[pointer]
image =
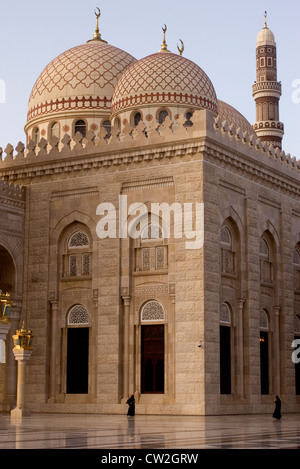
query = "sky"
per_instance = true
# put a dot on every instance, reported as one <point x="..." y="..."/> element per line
<point x="219" y="36"/>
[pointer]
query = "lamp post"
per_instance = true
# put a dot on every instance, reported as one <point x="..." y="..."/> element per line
<point x="22" y="351"/>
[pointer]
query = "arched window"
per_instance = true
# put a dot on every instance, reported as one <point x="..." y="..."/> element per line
<point x="54" y="130"/>
<point x="7" y="272"/>
<point x="151" y="231"/>
<point x="78" y="315"/>
<point x="107" y="127"/>
<point x="78" y="239"/>
<point x="152" y="311"/>
<point x="117" y="123"/>
<point x="225" y="349"/>
<point x="264" y="352"/>
<point x="80" y="126"/>
<point x="266" y="264"/>
<point x="188" y="122"/>
<point x="153" y="252"/>
<point x="77" y="260"/>
<point x="228" y="254"/>
<point x="137" y="118"/>
<point x="162" y="115"/>
<point x="35" y="135"/>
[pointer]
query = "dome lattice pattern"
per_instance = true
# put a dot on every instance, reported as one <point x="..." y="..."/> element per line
<point x="164" y="78"/>
<point x="89" y="70"/>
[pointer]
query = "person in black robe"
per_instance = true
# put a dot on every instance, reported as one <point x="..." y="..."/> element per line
<point x="277" y="412"/>
<point x="131" y="408"/>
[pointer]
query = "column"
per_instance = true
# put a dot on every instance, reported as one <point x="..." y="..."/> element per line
<point x="240" y="348"/>
<point x="52" y="389"/>
<point x="126" y="354"/>
<point x="276" y="348"/>
<point x="22" y="352"/>
<point x="22" y="356"/>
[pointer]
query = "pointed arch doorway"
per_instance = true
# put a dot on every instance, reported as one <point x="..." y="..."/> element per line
<point x="78" y="351"/>
<point x="152" y="349"/>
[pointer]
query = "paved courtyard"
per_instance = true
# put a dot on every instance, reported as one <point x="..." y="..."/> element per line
<point x="146" y="432"/>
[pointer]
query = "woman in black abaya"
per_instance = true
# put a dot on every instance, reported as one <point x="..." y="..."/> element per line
<point x="277" y="412"/>
<point x="131" y="408"/>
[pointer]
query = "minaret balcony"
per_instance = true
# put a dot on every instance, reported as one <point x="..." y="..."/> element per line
<point x="269" y="125"/>
<point x="266" y="88"/>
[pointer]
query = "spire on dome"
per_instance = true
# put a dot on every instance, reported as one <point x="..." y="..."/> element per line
<point x="97" y="35"/>
<point x="266" y="14"/>
<point x="164" y="45"/>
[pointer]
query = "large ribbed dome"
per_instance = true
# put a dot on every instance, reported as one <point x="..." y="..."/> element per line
<point x="80" y="80"/>
<point x="164" y="79"/>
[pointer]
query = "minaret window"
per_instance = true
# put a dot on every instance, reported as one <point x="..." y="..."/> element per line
<point x="80" y="126"/>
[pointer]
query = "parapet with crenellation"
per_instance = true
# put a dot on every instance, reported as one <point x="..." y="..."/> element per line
<point x="149" y="141"/>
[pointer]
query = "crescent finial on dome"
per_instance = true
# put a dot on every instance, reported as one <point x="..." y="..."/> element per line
<point x="97" y="35"/>
<point x="164" y="45"/>
<point x="180" y="49"/>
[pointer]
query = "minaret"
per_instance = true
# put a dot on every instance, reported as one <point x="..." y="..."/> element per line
<point x="267" y="90"/>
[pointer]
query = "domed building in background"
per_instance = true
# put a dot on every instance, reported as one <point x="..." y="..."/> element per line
<point x="151" y="241"/>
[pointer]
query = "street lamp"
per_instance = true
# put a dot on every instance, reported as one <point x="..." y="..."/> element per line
<point x="23" y="339"/>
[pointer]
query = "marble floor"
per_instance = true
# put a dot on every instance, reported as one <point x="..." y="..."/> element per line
<point x="119" y="432"/>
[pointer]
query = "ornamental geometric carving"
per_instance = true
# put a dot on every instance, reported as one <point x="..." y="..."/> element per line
<point x="90" y="70"/>
<point x="152" y="311"/>
<point x="263" y="321"/>
<point x="78" y="315"/>
<point x="145" y="294"/>
<point x="78" y="239"/>
<point x="164" y="78"/>
<point x="225" y="314"/>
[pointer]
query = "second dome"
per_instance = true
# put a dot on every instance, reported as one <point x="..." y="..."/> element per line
<point x="163" y="80"/>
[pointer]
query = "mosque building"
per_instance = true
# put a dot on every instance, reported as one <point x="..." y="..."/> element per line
<point x="150" y="241"/>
